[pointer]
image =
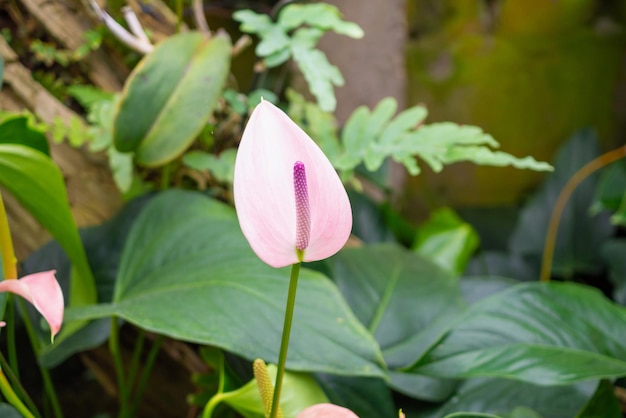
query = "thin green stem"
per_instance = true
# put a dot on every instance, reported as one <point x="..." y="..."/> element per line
<point x="147" y="368"/>
<point x="134" y="362"/>
<point x="17" y="386"/>
<point x="9" y="315"/>
<point x="284" y="343"/>
<point x="6" y="245"/>
<point x="212" y="404"/>
<point x="12" y="397"/>
<point x="51" y="393"/>
<point x="45" y="374"/>
<point x="114" y="349"/>
<point x="179" y="15"/>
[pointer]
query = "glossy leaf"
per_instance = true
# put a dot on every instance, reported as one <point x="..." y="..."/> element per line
<point x="365" y="396"/>
<point x="186" y="250"/>
<point x="19" y="129"/>
<point x="170" y="95"/>
<point x="382" y="282"/>
<point x="447" y="240"/>
<point x="548" y="334"/>
<point x="37" y="183"/>
<point x="502" y="397"/>
<point x="405" y="301"/>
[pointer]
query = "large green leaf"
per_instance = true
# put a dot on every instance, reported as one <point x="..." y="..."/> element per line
<point x="500" y="396"/>
<point x="188" y="272"/>
<point x="170" y="95"/>
<point x="405" y="301"/>
<point x="546" y="334"/>
<point x="37" y="183"/>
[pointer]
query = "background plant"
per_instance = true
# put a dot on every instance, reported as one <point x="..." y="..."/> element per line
<point x="407" y="326"/>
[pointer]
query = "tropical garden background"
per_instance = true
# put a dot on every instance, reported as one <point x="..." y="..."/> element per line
<point x="481" y="144"/>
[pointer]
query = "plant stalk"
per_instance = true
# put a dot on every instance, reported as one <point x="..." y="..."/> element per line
<point x="578" y="177"/>
<point x="284" y="343"/>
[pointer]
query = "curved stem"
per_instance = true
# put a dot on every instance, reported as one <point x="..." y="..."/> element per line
<point x="284" y="343"/>
<point x="145" y="374"/>
<point x="553" y="227"/>
<point x="17" y="386"/>
<point x="114" y="349"/>
<point x="6" y="245"/>
<point x="212" y="404"/>
<point x="12" y="398"/>
<point x="45" y="374"/>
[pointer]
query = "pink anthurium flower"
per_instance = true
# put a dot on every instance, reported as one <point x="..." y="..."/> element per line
<point x="326" y="410"/>
<point x="291" y="204"/>
<point x="43" y="291"/>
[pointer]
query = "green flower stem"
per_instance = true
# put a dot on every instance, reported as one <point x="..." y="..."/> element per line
<point x="116" y="354"/>
<point x="6" y="245"/>
<point x="212" y="404"/>
<point x="17" y="386"/>
<point x="134" y="362"/>
<point x="147" y="368"/>
<point x="284" y="343"/>
<point x="12" y="398"/>
<point x="9" y="317"/>
<point x="45" y="375"/>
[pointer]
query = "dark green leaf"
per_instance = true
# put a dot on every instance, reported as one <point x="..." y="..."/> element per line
<point x="103" y="245"/>
<point x="170" y="95"/>
<point x="614" y="254"/>
<point x="603" y="404"/>
<point x="366" y="397"/>
<point x="502" y="397"/>
<point x="580" y="236"/>
<point x="405" y="301"/>
<point x="187" y="272"/>
<point x="382" y="283"/>
<point x="611" y="193"/>
<point x="19" y="129"/>
<point x="548" y="334"/>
